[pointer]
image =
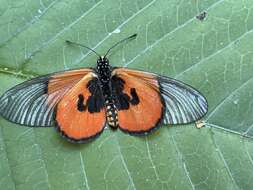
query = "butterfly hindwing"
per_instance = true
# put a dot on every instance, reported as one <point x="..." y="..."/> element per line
<point x="140" y="106"/>
<point x="80" y="114"/>
<point x="180" y="102"/>
<point x="184" y="104"/>
<point x="33" y="102"/>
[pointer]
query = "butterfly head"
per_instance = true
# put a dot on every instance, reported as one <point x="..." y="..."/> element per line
<point x="103" y="67"/>
<point x="102" y="62"/>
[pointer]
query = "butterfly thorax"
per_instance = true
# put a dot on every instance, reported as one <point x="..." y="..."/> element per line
<point x="104" y="71"/>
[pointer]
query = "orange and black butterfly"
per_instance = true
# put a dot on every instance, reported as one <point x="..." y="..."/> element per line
<point x="81" y="102"/>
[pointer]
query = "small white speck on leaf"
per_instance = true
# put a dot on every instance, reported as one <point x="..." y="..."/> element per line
<point x="116" y="31"/>
<point x="199" y="124"/>
<point x="235" y="102"/>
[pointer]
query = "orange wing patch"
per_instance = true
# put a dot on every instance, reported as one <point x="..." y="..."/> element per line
<point x="60" y="83"/>
<point x="74" y="119"/>
<point x="145" y="107"/>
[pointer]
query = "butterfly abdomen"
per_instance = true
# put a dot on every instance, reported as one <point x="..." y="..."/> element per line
<point x="111" y="110"/>
<point x="111" y="114"/>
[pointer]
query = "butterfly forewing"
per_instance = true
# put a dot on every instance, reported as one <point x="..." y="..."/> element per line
<point x="182" y="103"/>
<point x="140" y="106"/>
<point x="80" y="114"/>
<point x="33" y="102"/>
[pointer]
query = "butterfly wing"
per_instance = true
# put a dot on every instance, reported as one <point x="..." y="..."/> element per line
<point x="33" y="102"/>
<point x="80" y="115"/>
<point x="162" y="99"/>
<point x="139" y="104"/>
<point x="183" y="103"/>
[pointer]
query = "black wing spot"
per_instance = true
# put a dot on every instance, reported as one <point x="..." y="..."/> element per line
<point x="135" y="99"/>
<point x="80" y="104"/>
<point x="123" y="99"/>
<point x="95" y="102"/>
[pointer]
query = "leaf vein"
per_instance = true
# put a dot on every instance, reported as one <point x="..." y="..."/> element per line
<point x="151" y="160"/>
<point x="225" y="163"/>
<point x="42" y="159"/>
<point x="227" y="130"/>
<point x="84" y="173"/>
<point x="125" y="166"/>
<point x="249" y="129"/>
<point x="30" y="23"/>
<point x="248" y="154"/>
<point x="168" y="34"/>
<point x="218" y="106"/>
<point x="7" y="158"/>
<point x="63" y="30"/>
<point x="184" y="164"/>
<point x="214" y="54"/>
<point x="119" y="27"/>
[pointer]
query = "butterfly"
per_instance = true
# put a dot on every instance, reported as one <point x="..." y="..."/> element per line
<point x="80" y="102"/>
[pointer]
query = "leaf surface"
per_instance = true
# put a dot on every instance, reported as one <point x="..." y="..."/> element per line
<point x="214" y="55"/>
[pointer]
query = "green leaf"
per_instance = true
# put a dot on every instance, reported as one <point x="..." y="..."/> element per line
<point x="214" y="55"/>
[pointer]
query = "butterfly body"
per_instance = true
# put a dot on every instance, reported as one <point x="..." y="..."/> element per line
<point x="81" y="102"/>
<point x="104" y="71"/>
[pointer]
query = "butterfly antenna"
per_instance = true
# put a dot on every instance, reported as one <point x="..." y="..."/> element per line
<point x="125" y="39"/>
<point x="81" y="45"/>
